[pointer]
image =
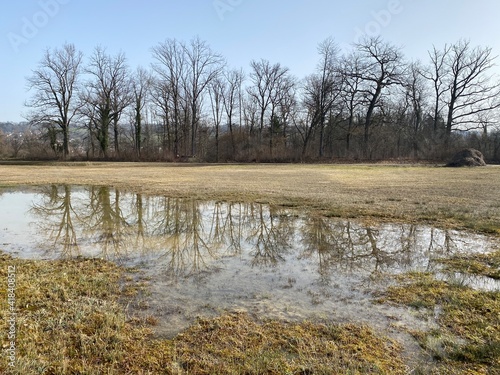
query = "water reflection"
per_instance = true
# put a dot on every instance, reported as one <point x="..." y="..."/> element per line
<point x="206" y="256"/>
<point x="186" y="236"/>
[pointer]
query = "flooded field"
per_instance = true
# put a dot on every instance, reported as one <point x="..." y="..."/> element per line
<point x="203" y="258"/>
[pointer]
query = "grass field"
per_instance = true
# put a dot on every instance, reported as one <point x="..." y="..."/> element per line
<point x="71" y="318"/>
<point x="460" y="198"/>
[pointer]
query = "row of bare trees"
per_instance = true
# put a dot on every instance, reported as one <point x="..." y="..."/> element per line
<point x="366" y="103"/>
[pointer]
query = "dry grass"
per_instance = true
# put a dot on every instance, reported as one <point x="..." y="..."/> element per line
<point x="236" y="344"/>
<point x="70" y="322"/>
<point x="478" y="264"/>
<point x="468" y="339"/>
<point x="459" y="198"/>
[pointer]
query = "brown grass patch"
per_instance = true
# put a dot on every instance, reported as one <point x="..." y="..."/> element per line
<point x="69" y="321"/>
<point x="458" y="198"/>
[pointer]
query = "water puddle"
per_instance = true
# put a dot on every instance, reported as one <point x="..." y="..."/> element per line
<point x="205" y="257"/>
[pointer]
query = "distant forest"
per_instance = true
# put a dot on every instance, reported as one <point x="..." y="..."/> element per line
<point x="367" y="103"/>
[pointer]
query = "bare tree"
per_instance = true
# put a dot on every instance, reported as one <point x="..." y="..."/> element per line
<point x="436" y="73"/>
<point x="141" y="84"/>
<point x="55" y="82"/>
<point x="415" y="90"/>
<point x="107" y="95"/>
<point x="321" y="91"/>
<point x="267" y="83"/>
<point x="250" y="113"/>
<point x="350" y="67"/>
<point x="171" y="66"/>
<point x="204" y="66"/>
<point x="471" y="90"/>
<point x="161" y="99"/>
<point x="232" y="100"/>
<point x="287" y="107"/>
<point x="464" y="86"/>
<point x="383" y="66"/>
<point x="282" y="99"/>
<point x="216" y="90"/>
<point x="122" y="98"/>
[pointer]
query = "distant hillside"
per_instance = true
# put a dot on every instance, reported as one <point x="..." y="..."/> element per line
<point x="13" y="127"/>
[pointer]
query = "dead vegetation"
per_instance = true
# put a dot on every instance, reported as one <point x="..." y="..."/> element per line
<point x="71" y="317"/>
<point x="70" y="322"/>
<point x="456" y="198"/>
<point x="468" y="338"/>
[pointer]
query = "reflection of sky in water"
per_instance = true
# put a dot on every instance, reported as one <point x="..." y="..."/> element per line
<point x="208" y="256"/>
<point x="17" y="234"/>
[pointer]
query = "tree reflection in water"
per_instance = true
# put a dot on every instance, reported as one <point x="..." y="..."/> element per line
<point x="57" y="218"/>
<point x="192" y="238"/>
<point x="204" y="257"/>
<point x="269" y="234"/>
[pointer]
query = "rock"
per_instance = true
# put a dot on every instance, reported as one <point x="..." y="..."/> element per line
<point x="468" y="157"/>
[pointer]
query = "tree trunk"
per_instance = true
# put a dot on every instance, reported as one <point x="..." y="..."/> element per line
<point x="368" y="119"/>
<point x="65" y="132"/>
<point x="194" y="128"/>
<point x="116" y="132"/>
<point x="138" y="131"/>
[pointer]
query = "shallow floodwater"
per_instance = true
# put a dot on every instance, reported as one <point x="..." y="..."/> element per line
<point x="206" y="257"/>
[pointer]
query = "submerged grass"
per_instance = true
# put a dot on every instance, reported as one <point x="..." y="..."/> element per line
<point x="70" y="321"/>
<point x="478" y="264"/>
<point x="468" y="338"/>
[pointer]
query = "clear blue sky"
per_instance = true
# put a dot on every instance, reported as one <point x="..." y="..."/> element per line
<point x="284" y="31"/>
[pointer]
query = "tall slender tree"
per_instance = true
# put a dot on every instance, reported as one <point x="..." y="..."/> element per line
<point x="436" y="73"/>
<point x="204" y="66"/>
<point x="171" y="66"/>
<point x="232" y="100"/>
<point x="216" y="90"/>
<point x="415" y="89"/>
<point x="321" y="91"/>
<point x="351" y="98"/>
<point x="141" y="85"/>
